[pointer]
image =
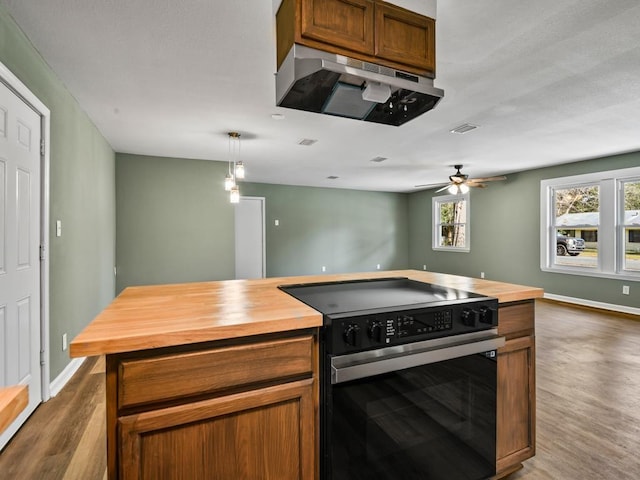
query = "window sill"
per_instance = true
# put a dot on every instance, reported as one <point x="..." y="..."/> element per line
<point x="451" y="249"/>
<point x="626" y="276"/>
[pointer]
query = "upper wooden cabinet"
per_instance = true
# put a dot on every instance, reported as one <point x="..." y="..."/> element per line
<point x="343" y="23"/>
<point x="369" y="30"/>
<point x="405" y="37"/>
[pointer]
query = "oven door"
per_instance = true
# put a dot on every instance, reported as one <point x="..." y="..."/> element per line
<point x="425" y="410"/>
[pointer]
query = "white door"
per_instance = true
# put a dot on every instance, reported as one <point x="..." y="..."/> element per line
<point x="19" y="250"/>
<point x="250" y="244"/>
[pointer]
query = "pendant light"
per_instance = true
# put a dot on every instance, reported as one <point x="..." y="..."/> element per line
<point x="234" y="196"/>
<point x="235" y="169"/>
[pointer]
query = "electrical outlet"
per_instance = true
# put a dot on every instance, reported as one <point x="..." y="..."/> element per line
<point x="276" y="223"/>
<point x="481" y="274"/>
<point x="64" y="342"/>
<point x="378" y="266"/>
<point x="324" y="269"/>
<point x="625" y="289"/>
<point x="424" y="267"/>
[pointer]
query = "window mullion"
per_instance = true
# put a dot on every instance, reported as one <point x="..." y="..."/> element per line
<point x="607" y="247"/>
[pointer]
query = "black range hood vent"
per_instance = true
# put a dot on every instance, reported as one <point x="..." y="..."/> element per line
<point x="322" y="82"/>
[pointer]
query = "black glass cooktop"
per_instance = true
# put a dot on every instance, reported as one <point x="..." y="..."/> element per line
<point x="386" y="294"/>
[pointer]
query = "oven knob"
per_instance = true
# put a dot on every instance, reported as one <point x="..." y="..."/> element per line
<point x="469" y="317"/>
<point x="486" y="315"/>
<point x="352" y="335"/>
<point x="376" y="331"/>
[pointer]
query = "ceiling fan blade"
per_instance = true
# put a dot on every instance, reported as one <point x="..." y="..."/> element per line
<point x="426" y="185"/>
<point x="476" y="185"/>
<point x="444" y="188"/>
<point x="488" y="179"/>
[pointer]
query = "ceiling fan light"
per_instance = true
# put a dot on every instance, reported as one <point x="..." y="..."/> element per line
<point x="464" y="188"/>
<point x="453" y="189"/>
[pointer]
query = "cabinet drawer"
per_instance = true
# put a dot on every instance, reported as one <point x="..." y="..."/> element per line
<point x="153" y="379"/>
<point x="517" y="317"/>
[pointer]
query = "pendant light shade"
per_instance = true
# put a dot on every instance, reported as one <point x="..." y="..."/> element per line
<point x="229" y="182"/>
<point x="234" y="196"/>
<point x="239" y="170"/>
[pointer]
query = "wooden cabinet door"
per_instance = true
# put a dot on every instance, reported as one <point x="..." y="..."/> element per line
<point x="342" y="23"/>
<point x="405" y="37"/>
<point x="516" y="403"/>
<point x="269" y="433"/>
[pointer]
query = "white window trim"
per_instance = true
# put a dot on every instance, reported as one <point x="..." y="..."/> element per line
<point x="610" y="229"/>
<point x="435" y="243"/>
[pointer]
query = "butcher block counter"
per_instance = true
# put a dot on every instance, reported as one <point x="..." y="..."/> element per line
<point x="220" y="379"/>
<point x="169" y="315"/>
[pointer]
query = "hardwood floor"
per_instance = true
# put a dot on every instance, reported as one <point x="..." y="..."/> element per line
<point x="588" y="399"/>
<point x="588" y="395"/>
<point x="65" y="438"/>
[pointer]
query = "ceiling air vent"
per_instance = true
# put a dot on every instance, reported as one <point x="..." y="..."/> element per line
<point x="464" y="128"/>
<point x="307" y="142"/>
<point x="379" y="159"/>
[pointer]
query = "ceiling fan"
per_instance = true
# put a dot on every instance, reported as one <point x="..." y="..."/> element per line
<point x="460" y="183"/>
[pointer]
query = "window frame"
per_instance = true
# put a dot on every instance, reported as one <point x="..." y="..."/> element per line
<point x="611" y="250"/>
<point x="436" y="201"/>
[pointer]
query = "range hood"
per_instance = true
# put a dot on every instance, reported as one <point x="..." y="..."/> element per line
<point x="322" y="82"/>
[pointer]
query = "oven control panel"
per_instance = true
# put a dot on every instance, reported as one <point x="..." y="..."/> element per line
<point x="367" y="332"/>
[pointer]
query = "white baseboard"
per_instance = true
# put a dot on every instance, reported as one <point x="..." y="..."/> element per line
<point x="591" y="303"/>
<point x="62" y="379"/>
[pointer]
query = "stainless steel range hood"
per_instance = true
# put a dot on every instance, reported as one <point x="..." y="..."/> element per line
<point x="322" y="82"/>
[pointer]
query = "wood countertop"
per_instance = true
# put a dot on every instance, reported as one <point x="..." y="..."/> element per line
<point x="157" y="316"/>
<point x="12" y="401"/>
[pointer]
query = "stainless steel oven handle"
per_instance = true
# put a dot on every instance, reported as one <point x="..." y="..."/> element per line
<point x="351" y="367"/>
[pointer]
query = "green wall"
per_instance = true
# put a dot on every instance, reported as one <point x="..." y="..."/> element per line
<point x="174" y="221"/>
<point x="82" y="189"/>
<point x="505" y="235"/>
<point x="343" y="230"/>
<point x="175" y="224"/>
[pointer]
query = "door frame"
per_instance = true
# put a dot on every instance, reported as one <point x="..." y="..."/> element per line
<point x="22" y="91"/>
<point x="264" y="232"/>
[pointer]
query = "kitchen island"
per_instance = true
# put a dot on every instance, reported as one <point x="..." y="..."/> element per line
<point x="234" y="365"/>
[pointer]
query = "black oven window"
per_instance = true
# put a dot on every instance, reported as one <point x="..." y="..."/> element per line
<point x="431" y="422"/>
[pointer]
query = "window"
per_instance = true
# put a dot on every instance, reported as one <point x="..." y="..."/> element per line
<point x="451" y="223"/>
<point x="578" y="208"/>
<point x="590" y="224"/>
<point x="631" y="225"/>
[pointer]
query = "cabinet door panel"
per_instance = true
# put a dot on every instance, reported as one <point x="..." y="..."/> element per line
<point x="267" y="433"/>
<point x="516" y="402"/>
<point x="343" y="23"/>
<point x="405" y="37"/>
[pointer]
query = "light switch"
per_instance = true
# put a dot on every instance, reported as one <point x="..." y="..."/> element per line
<point x="58" y="228"/>
<point x="277" y="222"/>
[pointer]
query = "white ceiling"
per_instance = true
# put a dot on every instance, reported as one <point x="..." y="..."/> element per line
<point x="549" y="82"/>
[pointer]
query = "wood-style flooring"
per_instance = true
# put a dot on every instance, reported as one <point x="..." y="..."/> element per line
<point x="66" y="437"/>
<point x="588" y="399"/>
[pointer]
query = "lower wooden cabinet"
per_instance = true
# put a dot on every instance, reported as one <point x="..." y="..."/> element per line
<point x="516" y="389"/>
<point x="266" y="433"/>
<point x="248" y="410"/>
